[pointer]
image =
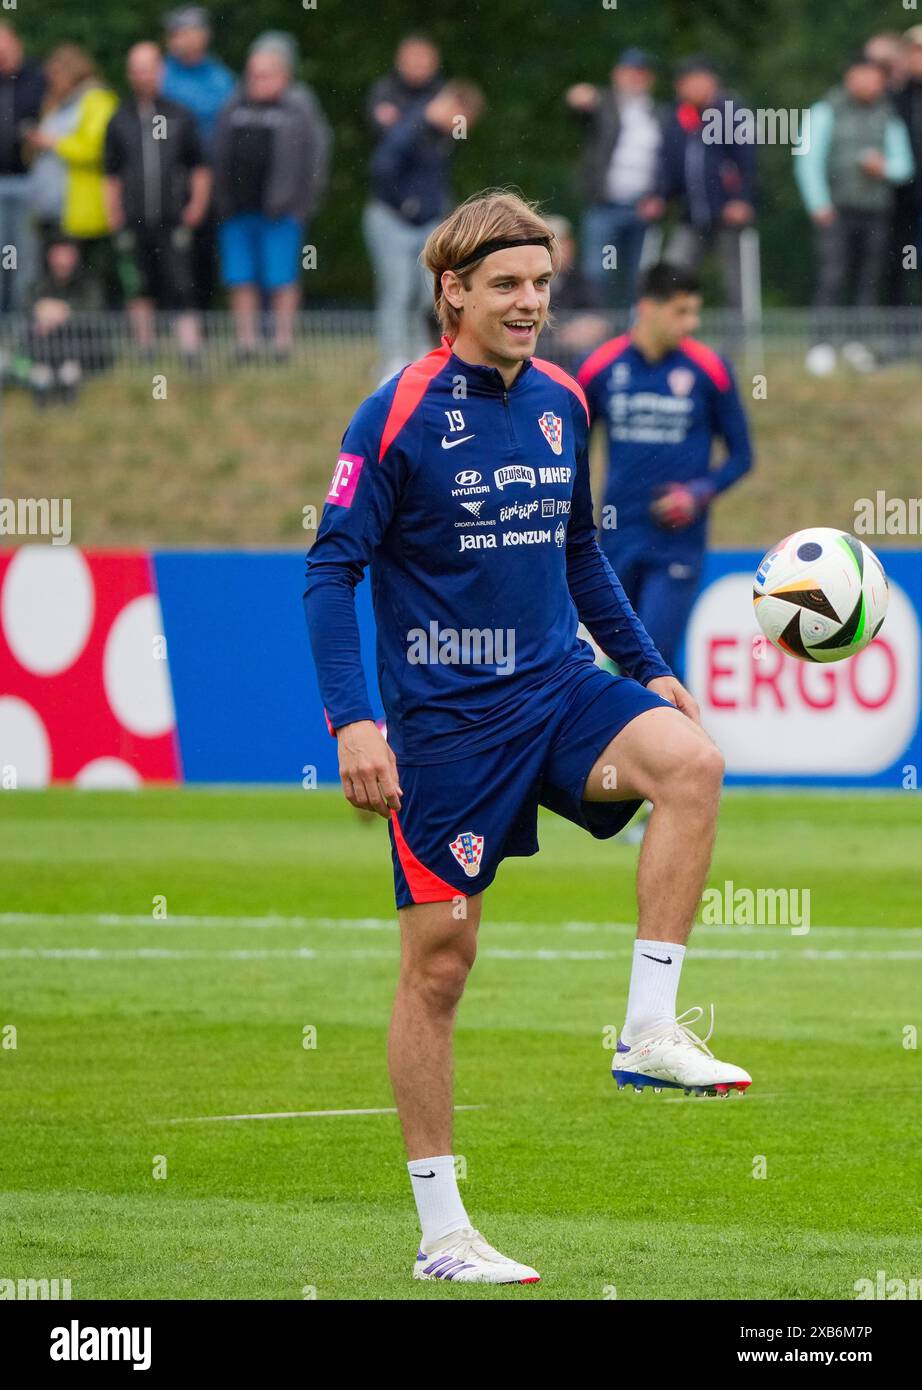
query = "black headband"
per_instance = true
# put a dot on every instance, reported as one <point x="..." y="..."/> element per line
<point x="486" y="248"/>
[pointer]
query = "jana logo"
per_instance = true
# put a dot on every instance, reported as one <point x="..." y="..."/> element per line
<point x="469" y="477"/>
<point x="468" y="850"/>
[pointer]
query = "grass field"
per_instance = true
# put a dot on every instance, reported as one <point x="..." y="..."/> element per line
<point x="233" y="459"/>
<point x="131" y="1031"/>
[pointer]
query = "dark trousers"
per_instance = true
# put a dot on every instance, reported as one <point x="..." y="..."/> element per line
<point x="899" y="284"/>
<point x="850" y="256"/>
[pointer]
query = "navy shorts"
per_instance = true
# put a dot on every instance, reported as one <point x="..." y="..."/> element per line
<point x="459" y="820"/>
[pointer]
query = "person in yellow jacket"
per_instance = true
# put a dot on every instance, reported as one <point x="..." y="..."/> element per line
<point x="83" y="214"/>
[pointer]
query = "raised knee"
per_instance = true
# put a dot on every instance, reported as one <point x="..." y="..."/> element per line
<point x="698" y="773"/>
<point x="706" y="767"/>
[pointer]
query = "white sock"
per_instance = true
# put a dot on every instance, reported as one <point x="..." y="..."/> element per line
<point x="654" y="986"/>
<point x="438" y="1200"/>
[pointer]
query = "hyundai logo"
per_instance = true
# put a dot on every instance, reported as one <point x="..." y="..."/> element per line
<point x="468" y="478"/>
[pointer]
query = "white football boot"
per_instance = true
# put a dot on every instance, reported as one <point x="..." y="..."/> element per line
<point x="464" y="1257"/>
<point x="675" y="1058"/>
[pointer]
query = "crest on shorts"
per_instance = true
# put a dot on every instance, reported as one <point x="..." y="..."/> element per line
<point x="468" y="850"/>
<point x="681" y="381"/>
<point x="552" y="429"/>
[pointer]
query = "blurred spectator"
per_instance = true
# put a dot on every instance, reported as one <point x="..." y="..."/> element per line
<point x="22" y="87"/>
<point x="901" y="280"/>
<point x="416" y="76"/>
<point x="201" y="82"/>
<point x="191" y="76"/>
<point x="57" y="349"/>
<point x="67" y="69"/>
<point x="394" y="239"/>
<point x="157" y="191"/>
<point x="278" y="42"/>
<point x="858" y="150"/>
<point x="409" y="197"/>
<point x="625" y="137"/>
<point x="573" y="327"/>
<point x="271" y="151"/>
<point x="713" y="181"/>
<point x="80" y="148"/>
<point x="887" y="50"/>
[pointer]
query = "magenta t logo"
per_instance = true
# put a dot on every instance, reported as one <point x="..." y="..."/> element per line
<point x="345" y="479"/>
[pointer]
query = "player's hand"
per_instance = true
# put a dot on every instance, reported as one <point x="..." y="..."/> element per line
<point x="674" y="691"/>
<point x="825" y="217"/>
<point x="368" y="768"/>
<point x="675" y="506"/>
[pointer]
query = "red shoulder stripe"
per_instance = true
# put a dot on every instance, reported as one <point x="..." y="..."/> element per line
<point x="603" y="356"/>
<point x="709" y="362"/>
<point x="411" y="388"/>
<point x="563" y="378"/>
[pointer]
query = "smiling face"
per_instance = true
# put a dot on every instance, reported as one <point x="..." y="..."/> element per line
<point x="504" y="304"/>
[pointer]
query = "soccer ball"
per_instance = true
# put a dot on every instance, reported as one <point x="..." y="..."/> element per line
<point x="820" y="595"/>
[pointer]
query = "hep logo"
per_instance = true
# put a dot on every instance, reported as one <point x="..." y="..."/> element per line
<point x="345" y="479"/>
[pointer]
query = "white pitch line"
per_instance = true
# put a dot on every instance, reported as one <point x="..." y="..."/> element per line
<point x="274" y="920"/>
<point x="292" y="1115"/>
<point x="152" y="953"/>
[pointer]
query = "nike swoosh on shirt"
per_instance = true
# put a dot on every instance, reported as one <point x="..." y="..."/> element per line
<point x="658" y="959"/>
<point x="450" y="443"/>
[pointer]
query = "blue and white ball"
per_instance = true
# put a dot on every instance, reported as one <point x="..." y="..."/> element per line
<point x="820" y="595"/>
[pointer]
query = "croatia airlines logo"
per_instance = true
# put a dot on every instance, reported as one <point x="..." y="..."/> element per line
<point x="552" y="429"/>
<point x="345" y="480"/>
<point x="468" y="850"/>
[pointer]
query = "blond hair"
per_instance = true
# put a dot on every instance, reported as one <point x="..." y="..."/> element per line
<point x="495" y="214"/>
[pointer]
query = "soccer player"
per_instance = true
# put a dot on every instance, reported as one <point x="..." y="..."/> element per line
<point x="463" y="482"/>
<point x="664" y="398"/>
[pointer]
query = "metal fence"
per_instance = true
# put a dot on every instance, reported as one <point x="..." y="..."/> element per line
<point x="343" y="340"/>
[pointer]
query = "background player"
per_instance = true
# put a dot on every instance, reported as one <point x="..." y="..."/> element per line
<point x="664" y="398"/>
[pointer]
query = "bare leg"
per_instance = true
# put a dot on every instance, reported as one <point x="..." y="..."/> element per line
<point x="141" y="318"/>
<point x="663" y="756"/>
<point x="284" y="308"/>
<point x="437" y="952"/>
<point x="245" y="304"/>
<point x="188" y="332"/>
